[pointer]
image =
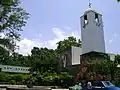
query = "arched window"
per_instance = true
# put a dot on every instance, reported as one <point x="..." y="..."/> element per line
<point x="96" y="18"/>
<point x="85" y="20"/>
<point x="64" y="59"/>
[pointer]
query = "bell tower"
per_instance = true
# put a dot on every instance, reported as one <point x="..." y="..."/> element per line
<point x="92" y="33"/>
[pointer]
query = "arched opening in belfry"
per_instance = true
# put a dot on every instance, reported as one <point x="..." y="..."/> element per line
<point x="96" y="18"/>
<point x="85" y="20"/>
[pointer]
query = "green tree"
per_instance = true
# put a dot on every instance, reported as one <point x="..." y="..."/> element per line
<point x="67" y="43"/>
<point x="4" y="53"/>
<point x="44" y="59"/>
<point x="103" y="67"/>
<point x="12" y="19"/>
<point x="118" y="0"/>
<point x="6" y="43"/>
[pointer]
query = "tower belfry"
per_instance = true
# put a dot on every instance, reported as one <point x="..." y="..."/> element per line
<point x="92" y="33"/>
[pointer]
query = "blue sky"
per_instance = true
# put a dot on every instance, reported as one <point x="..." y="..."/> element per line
<point x="54" y="20"/>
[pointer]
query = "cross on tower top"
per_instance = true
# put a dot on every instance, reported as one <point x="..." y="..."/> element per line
<point x="90" y="4"/>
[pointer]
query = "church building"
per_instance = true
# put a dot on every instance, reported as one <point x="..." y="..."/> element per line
<point x="93" y="43"/>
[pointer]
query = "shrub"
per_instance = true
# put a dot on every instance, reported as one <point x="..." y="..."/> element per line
<point x="18" y="78"/>
<point x="12" y="82"/>
<point x="55" y="79"/>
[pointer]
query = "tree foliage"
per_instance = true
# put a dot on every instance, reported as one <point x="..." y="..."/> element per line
<point x="44" y="59"/>
<point x="12" y="19"/>
<point x="12" y="78"/>
<point x="104" y="67"/>
<point x="118" y="0"/>
<point x="45" y="62"/>
<point x="67" y="43"/>
<point x="40" y="58"/>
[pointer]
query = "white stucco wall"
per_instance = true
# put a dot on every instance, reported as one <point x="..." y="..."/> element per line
<point x="76" y="52"/>
<point x="92" y="35"/>
<point x="14" y="69"/>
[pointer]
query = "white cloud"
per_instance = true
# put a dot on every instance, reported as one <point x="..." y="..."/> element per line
<point x="26" y="45"/>
<point x="67" y="28"/>
<point x="58" y="33"/>
<point x="75" y="34"/>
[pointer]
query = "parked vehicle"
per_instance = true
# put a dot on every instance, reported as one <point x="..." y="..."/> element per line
<point x="104" y="85"/>
<point x="98" y="85"/>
